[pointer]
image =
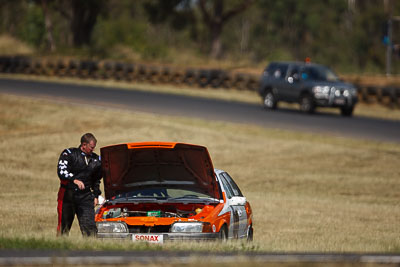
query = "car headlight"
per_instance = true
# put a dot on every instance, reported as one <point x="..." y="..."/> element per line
<point x="112" y="227"/>
<point x="187" y="227"/>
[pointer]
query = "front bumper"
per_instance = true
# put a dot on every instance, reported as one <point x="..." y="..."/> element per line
<point x="166" y="236"/>
<point x="336" y="101"/>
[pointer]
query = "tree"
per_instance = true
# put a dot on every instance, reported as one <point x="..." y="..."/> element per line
<point x="48" y="23"/>
<point x="214" y="15"/>
<point x="82" y="17"/>
<point x="216" y="18"/>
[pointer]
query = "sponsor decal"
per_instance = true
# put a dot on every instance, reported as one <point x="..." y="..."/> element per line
<point x="148" y="238"/>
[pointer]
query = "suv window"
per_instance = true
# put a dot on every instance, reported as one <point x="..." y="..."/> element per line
<point x="319" y="74"/>
<point x="294" y="73"/>
<point x="277" y="71"/>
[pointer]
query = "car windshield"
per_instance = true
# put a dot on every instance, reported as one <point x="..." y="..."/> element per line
<point x="320" y="73"/>
<point x="163" y="193"/>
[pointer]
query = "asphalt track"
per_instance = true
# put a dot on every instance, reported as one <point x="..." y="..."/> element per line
<point x="210" y="109"/>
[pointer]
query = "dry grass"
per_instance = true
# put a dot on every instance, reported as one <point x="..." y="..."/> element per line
<point x="12" y="46"/>
<point x="309" y="192"/>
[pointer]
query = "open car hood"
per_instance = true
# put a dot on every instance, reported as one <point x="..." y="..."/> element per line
<point x="134" y="166"/>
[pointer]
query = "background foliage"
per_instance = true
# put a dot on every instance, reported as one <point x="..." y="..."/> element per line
<point x="347" y="35"/>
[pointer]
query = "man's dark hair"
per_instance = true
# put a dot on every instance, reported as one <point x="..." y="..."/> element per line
<point x="87" y="137"/>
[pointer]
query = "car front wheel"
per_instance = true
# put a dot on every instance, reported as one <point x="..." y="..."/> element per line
<point x="223" y="234"/>
<point x="307" y="104"/>
<point x="270" y="101"/>
<point x="250" y="234"/>
<point x="347" y="111"/>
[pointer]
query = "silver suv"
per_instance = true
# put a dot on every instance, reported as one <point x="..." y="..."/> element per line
<point x="311" y="85"/>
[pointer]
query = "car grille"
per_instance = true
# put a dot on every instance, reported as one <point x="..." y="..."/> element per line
<point x="149" y="229"/>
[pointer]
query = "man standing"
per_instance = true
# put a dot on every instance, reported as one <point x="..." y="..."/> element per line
<point x="79" y="170"/>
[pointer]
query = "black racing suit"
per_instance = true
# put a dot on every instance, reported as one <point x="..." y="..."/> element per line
<point x="75" y="164"/>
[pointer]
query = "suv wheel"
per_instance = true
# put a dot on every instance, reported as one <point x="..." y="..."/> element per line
<point x="270" y="100"/>
<point x="347" y="111"/>
<point x="307" y="104"/>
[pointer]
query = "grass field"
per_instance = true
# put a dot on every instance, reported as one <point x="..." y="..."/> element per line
<point x="309" y="192"/>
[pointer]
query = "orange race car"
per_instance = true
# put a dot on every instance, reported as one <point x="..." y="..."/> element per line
<point x="158" y="191"/>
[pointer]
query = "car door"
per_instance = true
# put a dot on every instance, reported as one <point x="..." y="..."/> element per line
<point x="237" y="204"/>
<point x="278" y="81"/>
<point x="292" y="80"/>
<point x="233" y="230"/>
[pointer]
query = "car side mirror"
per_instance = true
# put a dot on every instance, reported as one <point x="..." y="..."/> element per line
<point x="237" y="201"/>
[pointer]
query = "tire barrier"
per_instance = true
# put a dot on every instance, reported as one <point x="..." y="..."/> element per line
<point x="165" y="75"/>
<point x="88" y="69"/>
<point x="388" y="94"/>
<point x="385" y="95"/>
<point x="190" y="78"/>
<point x="129" y="72"/>
<point x="61" y="68"/>
<point x="141" y="73"/>
<point x="24" y="65"/>
<point x="177" y="77"/>
<point x="240" y="81"/>
<point x="153" y="74"/>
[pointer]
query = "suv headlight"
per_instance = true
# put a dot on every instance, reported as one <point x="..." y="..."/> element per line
<point x="112" y="227"/>
<point x="321" y="91"/>
<point x="317" y="89"/>
<point x="353" y="91"/>
<point x="187" y="227"/>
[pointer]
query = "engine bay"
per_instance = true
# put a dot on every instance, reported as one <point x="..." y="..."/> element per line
<point x="155" y="210"/>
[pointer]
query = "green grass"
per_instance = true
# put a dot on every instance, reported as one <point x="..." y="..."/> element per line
<point x="309" y="191"/>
